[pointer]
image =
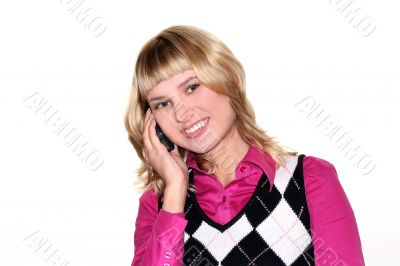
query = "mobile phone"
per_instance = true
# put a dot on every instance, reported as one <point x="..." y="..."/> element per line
<point x="160" y="134"/>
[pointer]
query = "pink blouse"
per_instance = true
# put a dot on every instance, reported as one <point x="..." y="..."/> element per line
<point x="158" y="237"/>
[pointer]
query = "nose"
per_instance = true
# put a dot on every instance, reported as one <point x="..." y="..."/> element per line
<point x="183" y="112"/>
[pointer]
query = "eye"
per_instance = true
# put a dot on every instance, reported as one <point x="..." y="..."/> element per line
<point x="161" y="104"/>
<point x="193" y="86"/>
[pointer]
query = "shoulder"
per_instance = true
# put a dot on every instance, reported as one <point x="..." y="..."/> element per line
<point x="314" y="167"/>
<point x="148" y="194"/>
<point x="321" y="181"/>
<point x="149" y="200"/>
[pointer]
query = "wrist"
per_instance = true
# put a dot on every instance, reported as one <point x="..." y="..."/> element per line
<point x="174" y="198"/>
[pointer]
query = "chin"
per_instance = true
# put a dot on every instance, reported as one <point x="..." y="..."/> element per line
<point x="206" y="147"/>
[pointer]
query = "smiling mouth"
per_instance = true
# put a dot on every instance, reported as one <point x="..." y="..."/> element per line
<point x="199" y="125"/>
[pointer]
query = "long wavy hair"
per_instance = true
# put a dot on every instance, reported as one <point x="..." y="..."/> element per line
<point x="173" y="51"/>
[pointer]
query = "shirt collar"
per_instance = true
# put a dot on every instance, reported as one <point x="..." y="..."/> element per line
<point x="254" y="155"/>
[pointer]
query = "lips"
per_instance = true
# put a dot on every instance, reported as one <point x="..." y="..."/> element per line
<point x="195" y="123"/>
<point x="197" y="133"/>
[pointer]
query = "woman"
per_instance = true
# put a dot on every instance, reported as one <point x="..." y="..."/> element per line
<point x="227" y="194"/>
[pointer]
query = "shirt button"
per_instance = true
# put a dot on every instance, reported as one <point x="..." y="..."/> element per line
<point x="168" y="255"/>
<point x="242" y="169"/>
<point x="223" y="198"/>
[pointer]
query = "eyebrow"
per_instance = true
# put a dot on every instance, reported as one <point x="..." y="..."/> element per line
<point x="179" y="85"/>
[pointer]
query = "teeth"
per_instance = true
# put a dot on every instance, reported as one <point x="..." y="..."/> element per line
<point x="196" y="127"/>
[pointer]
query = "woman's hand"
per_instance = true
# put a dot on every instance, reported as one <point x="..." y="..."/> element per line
<point x="169" y="165"/>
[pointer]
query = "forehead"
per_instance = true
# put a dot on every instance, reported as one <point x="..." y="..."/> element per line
<point x="166" y="85"/>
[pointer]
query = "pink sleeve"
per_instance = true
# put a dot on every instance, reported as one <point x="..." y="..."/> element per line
<point x="333" y="225"/>
<point x="158" y="237"/>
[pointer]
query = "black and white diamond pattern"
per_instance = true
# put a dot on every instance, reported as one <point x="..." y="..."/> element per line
<point x="283" y="230"/>
<point x="272" y="229"/>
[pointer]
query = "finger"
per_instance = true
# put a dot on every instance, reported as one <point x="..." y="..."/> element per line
<point x="146" y="124"/>
<point x="146" y="136"/>
<point x="152" y="131"/>
<point x="146" y="118"/>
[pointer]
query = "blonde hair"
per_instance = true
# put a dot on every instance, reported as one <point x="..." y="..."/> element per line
<point x="173" y="51"/>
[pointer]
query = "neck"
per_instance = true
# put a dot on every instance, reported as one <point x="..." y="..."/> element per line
<point x="226" y="155"/>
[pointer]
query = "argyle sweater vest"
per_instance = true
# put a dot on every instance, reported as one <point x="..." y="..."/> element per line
<point x="273" y="228"/>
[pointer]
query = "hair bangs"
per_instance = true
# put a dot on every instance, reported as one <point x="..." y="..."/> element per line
<point x="159" y="62"/>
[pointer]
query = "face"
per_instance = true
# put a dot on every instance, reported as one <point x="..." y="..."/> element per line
<point x="191" y="115"/>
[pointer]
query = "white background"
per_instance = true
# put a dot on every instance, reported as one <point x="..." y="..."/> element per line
<point x="290" y="50"/>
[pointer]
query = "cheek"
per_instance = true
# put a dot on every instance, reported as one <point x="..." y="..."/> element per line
<point x="164" y="121"/>
<point x="222" y="109"/>
<point x="212" y="100"/>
